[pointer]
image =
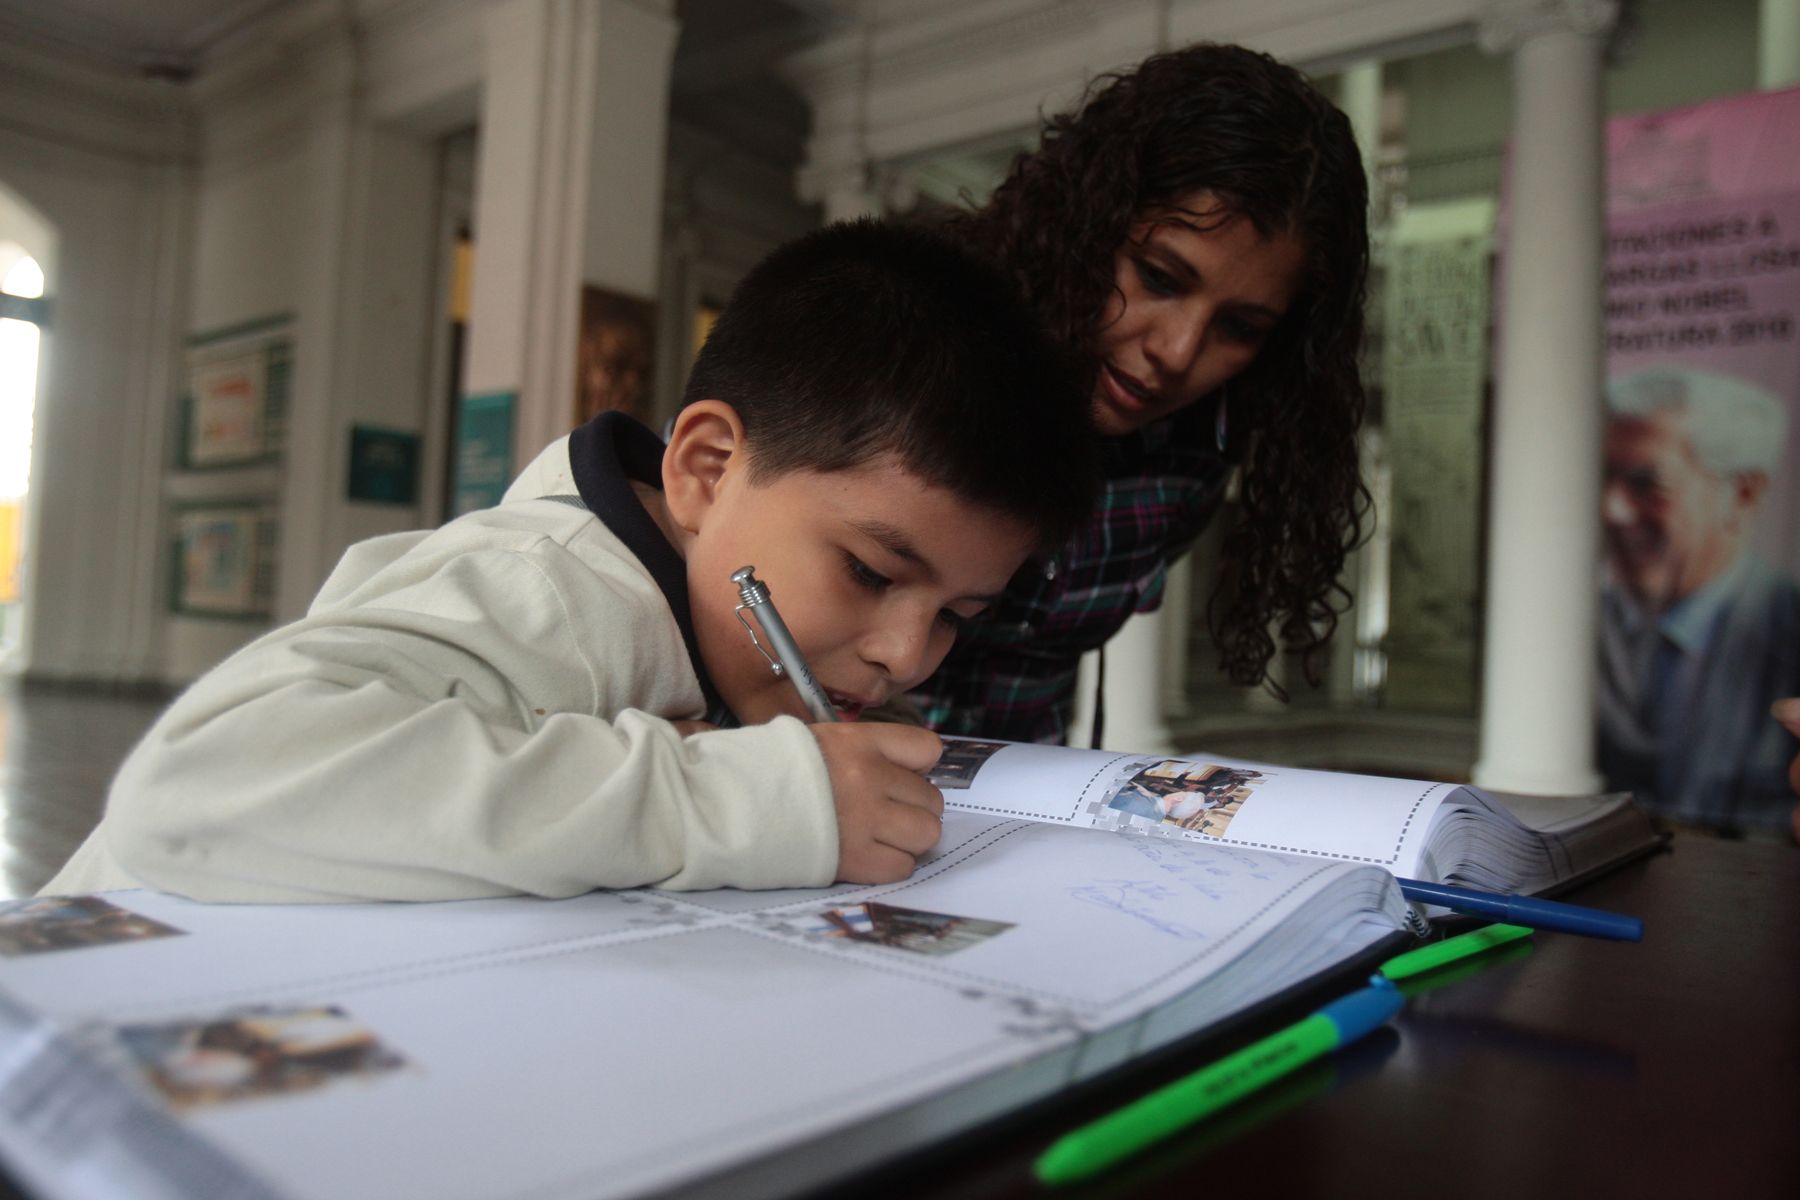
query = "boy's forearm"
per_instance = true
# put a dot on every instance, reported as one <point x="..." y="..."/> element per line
<point x="427" y="734"/>
<point x="318" y="794"/>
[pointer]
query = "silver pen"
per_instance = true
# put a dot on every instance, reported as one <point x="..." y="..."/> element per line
<point x="753" y="594"/>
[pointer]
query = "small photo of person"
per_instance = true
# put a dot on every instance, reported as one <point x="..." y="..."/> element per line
<point x="44" y="923"/>
<point x="1203" y="797"/>
<point x="961" y="759"/>
<point x="906" y="928"/>
<point x="254" y="1053"/>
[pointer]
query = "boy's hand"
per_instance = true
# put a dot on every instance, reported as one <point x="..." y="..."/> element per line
<point x="887" y="814"/>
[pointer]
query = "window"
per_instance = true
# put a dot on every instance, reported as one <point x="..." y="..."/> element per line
<point x="22" y="312"/>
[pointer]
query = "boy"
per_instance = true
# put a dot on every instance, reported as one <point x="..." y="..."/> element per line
<point x="525" y="700"/>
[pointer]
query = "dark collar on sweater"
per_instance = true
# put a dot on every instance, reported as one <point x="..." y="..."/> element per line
<point x="606" y="455"/>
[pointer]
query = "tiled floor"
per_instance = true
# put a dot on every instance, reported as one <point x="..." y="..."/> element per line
<point x="59" y="747"/>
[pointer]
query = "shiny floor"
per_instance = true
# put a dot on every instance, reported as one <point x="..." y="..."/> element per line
<point x="59" y="747"/>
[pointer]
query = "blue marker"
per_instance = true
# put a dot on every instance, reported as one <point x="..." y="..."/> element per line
<point x="1526" y="910"/>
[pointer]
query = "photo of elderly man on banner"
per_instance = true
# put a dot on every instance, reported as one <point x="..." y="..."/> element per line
<point x="1700" y="612"/>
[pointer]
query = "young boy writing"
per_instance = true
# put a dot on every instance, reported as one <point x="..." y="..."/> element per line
<point x="557" y="694"/>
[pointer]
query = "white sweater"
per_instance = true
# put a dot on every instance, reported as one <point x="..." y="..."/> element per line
<point x="478" y="710"/>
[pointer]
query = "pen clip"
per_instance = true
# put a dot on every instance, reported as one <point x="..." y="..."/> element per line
<point x="752" y="593"/>
<point x="756" y="641"/>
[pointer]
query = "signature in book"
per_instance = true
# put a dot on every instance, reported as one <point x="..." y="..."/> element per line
<point x="1140" y="899"/>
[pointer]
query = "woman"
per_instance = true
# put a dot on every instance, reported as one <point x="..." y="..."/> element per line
<point x="1196" y="235"/>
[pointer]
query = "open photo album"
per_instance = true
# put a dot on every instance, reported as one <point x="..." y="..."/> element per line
<point x="1081" y="909"/>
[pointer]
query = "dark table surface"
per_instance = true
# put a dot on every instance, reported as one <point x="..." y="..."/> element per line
<point x="1562" y="1066"/>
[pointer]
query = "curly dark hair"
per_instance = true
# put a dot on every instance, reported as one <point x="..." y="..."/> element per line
<point x="1260" y="140"/>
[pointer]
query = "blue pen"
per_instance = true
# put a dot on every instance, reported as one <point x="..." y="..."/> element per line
<point x="1526" y="910"/>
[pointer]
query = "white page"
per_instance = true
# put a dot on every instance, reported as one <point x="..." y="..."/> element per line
<point x="1356" y="818"/>
<point x="630" y="1042"/>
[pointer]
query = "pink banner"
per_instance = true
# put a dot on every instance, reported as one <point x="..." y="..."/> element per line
<point x="1701" y="510"/>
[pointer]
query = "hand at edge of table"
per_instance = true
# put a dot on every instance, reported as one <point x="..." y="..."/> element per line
<point x="1788" y="713"/>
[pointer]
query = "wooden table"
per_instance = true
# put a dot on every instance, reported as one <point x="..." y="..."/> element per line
<point x="1568" y="1067"/>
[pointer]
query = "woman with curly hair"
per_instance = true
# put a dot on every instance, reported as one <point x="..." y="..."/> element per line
<point x="1195" y="234"/>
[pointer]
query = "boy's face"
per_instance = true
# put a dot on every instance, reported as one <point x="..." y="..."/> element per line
<point x="870" y="568"/>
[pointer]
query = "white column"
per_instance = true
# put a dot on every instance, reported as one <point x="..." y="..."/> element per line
<point x="1543" y="548"/>
<point x="336" y="165"/>
<point x="1133" y="689"/>
<point x="840" y="175"/>
<point x="1778" y="44"/>
<point x="1361" y="95"/>
<point x="1178" y="602"/>
<point x="574" y="121"/>
<point x="846" y="193"/>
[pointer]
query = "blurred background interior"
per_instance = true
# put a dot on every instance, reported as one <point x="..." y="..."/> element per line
<point x="280" y="275"/>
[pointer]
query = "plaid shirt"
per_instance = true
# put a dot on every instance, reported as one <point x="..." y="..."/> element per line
<point x="1011" y="674"/>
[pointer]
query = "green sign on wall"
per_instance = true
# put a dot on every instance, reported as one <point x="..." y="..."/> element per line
<point x="484" y="440"/>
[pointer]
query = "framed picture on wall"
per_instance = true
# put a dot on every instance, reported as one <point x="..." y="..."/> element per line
<point x="617" y="355"/>
<point x="236" y="399"/>
<point x="224" y="565"/>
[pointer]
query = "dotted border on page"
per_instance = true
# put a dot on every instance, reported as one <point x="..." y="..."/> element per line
<point x="1193" y="836"/>
<point x="1399" y="839"/>
<point x="994" y="810"/>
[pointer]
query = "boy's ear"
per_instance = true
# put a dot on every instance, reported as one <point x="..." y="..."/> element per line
<point x="707" y="436"/>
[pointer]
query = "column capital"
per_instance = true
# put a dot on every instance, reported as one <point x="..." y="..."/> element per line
<point x="860" y="187"/>
<point x="1504" y="25"/>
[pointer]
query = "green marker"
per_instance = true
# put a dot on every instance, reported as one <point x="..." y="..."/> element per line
<point x="1096" y="1146"/>
<point x="1092" y="1148"/>
<point x="1430" y="958"/>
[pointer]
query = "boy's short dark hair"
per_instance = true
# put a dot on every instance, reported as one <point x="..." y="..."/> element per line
<point x="867" y="338"/>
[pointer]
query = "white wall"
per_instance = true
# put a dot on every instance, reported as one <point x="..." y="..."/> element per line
<point x="269" y="188"/>
<point x="102" y="161"/>
<point x="249" y="214"/>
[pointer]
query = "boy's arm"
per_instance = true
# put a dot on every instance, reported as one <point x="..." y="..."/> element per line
<point x="438" y="744"/>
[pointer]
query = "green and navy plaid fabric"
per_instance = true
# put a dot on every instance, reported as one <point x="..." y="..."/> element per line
<point x="1011" y="674"/>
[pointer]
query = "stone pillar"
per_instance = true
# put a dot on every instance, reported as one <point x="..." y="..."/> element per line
<point x="1543" y="542"/>
<point x="1778" y="44"/>
<point x="574" y="123"/>
<point x="1361" y="96"/>
<point x="840" y="175"/>
<point x="337" y="164"/>
<point x="1133" y="689"/>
